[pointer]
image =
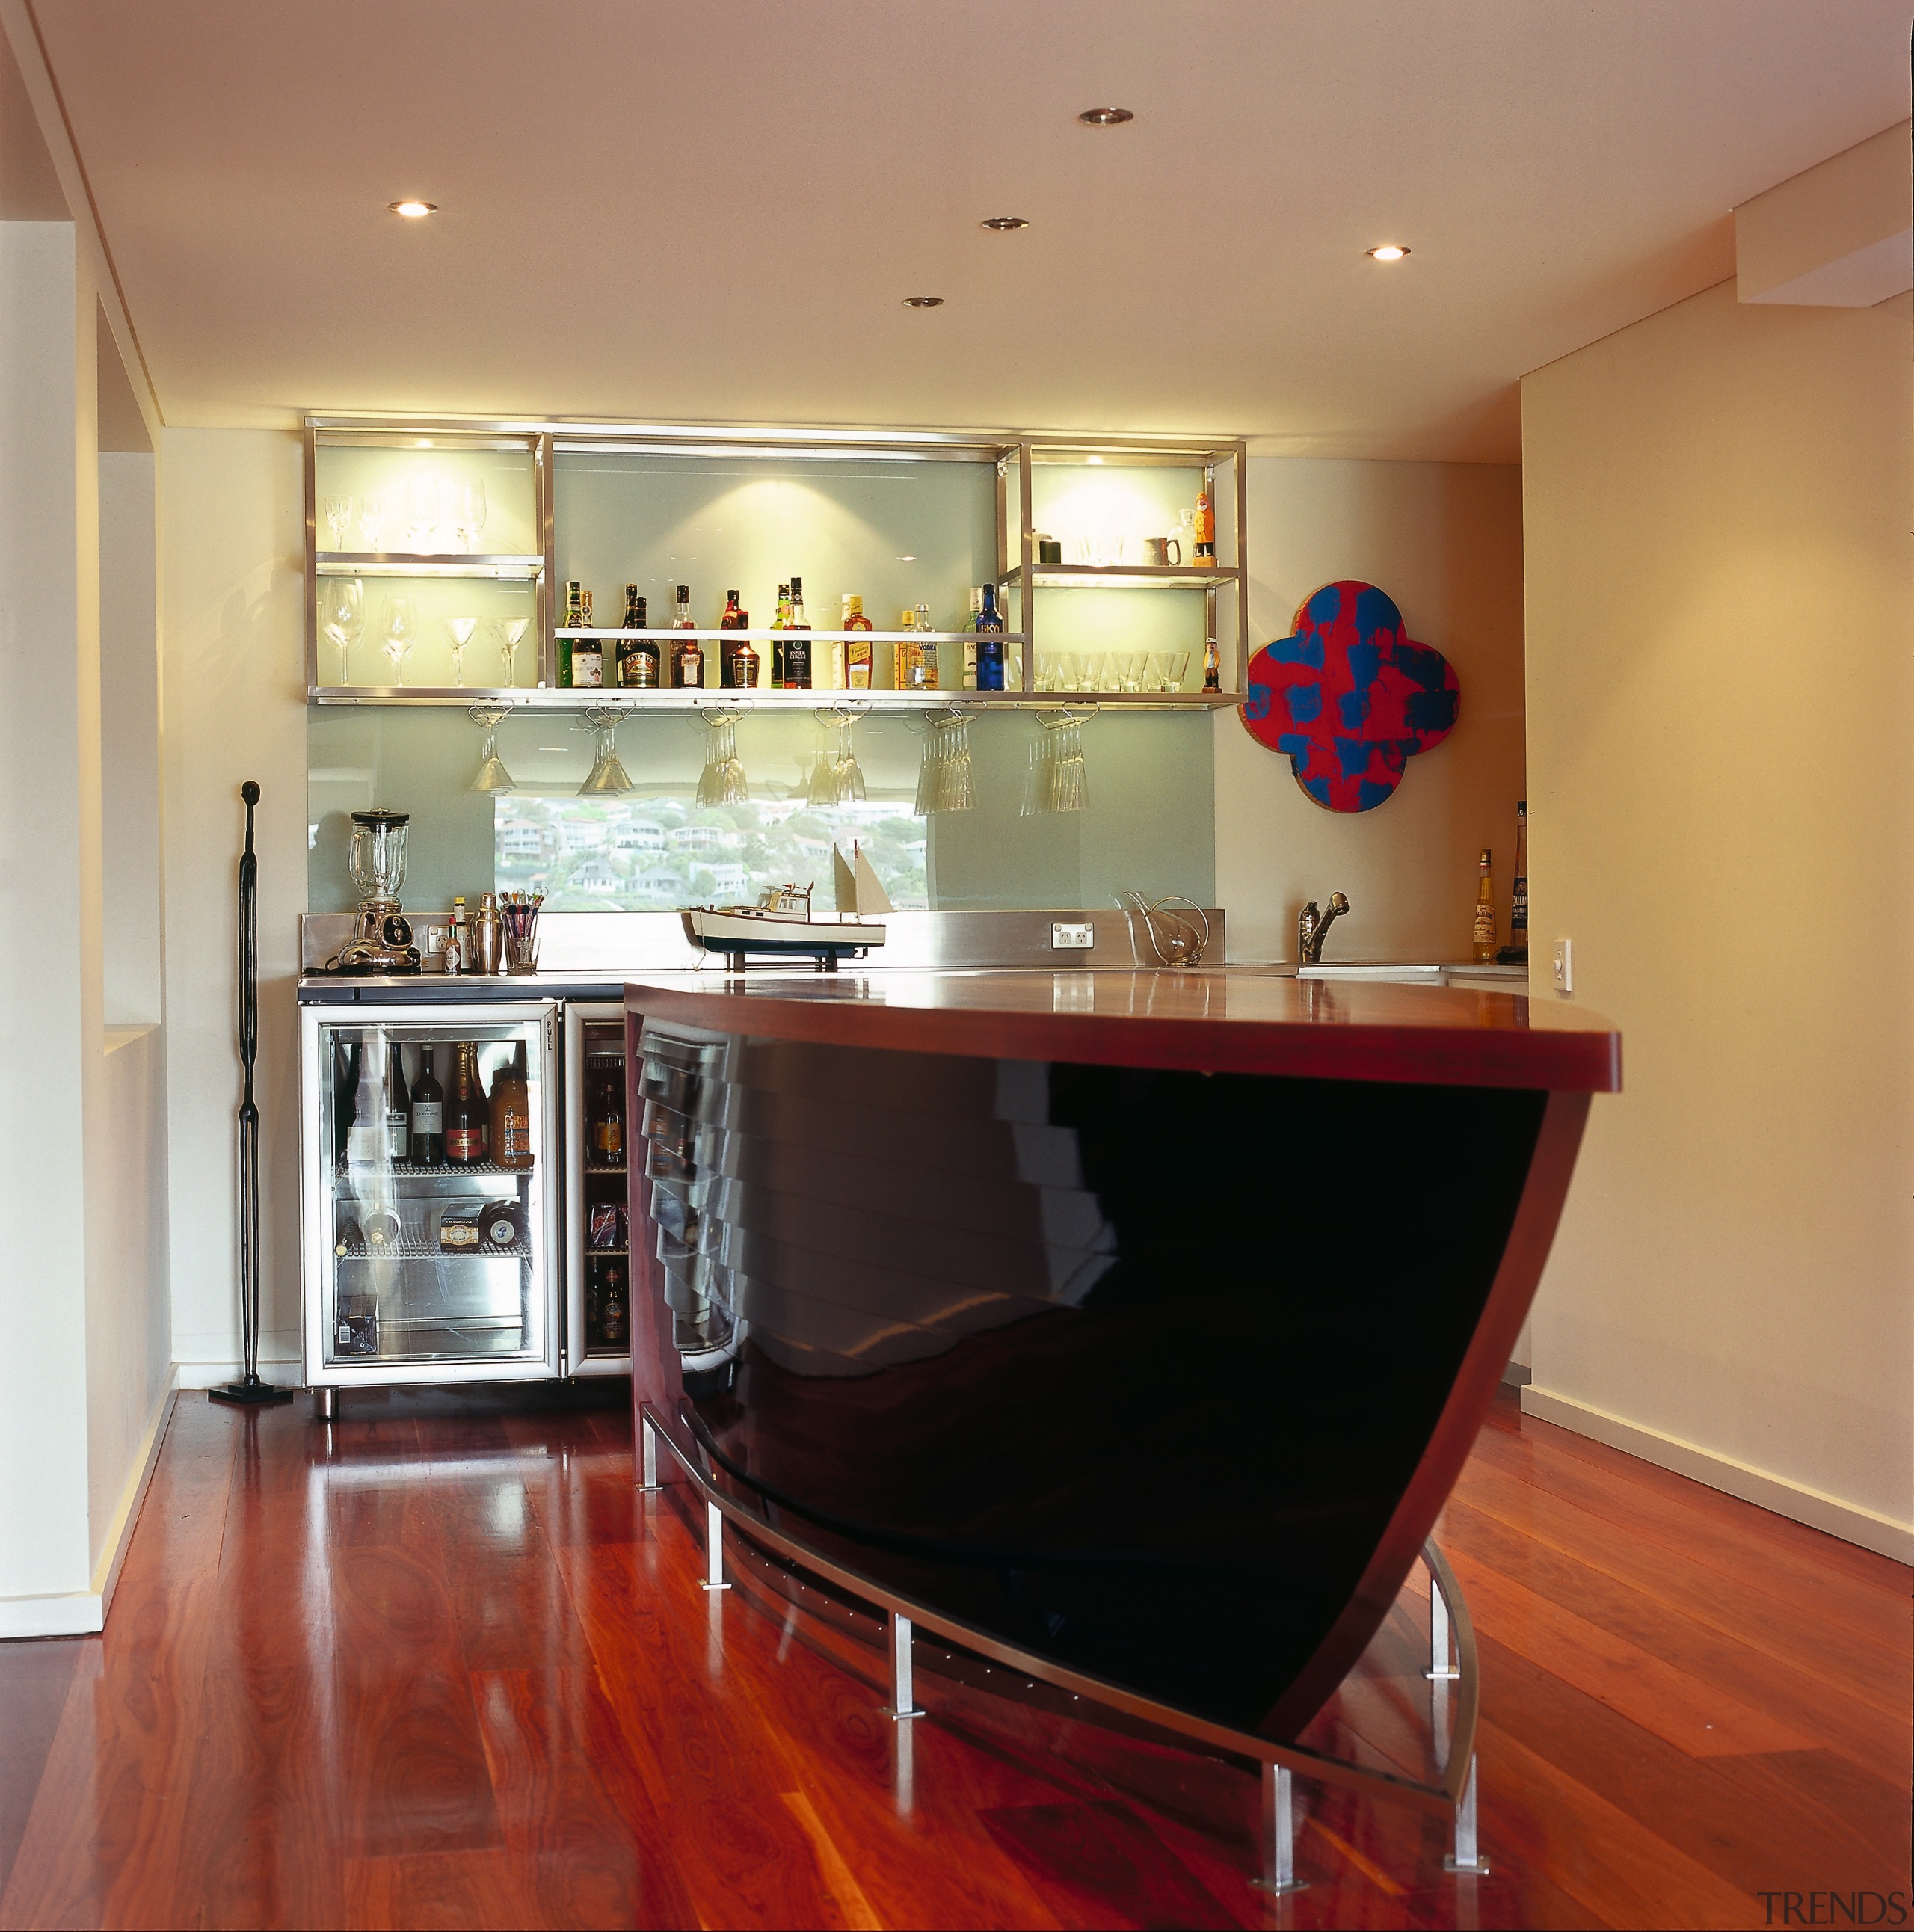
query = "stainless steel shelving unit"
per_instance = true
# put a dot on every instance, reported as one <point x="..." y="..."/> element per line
<point x="1013" y="457"/>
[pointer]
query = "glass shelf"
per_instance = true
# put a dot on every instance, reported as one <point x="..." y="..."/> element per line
<point x="762" y="697"/>
<point x="427" y="563"/>
<point x="1121" y="576"/>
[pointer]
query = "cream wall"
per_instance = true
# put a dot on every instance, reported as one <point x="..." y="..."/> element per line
<point x="1444" y="541"/>
<point x="233" y="508"/>
<point x="1721" y="742"/>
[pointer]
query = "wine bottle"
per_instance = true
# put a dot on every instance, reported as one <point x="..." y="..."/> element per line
<point x="574" y="620"/>
<point x="638" y="667"/>
<point x="366" y="1146"/>
<point x="990" y="643"/>
<point x="1485" y="912"/>
<point x="398" y="1104"/>
<point x="1518" y="910"/>
<point x="797" y="642"/>
<point x="688" y="658"/>
<point x="781" y="622"/>
<point x="608" y="1122"/>
<point x="466" y="1109"/>
<point x="428" y="1114"/>
<point x="511" y="1114"/>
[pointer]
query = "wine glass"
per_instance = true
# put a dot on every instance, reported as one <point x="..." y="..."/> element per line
<point x="339" y="517"/>
<point x="375" y="518"/>
<point x="471" y="511"/>
<point x="460" y="630"/>
<point x="342" y="617"/>
<point x="510" y="630"/>
<point x="401" y="631"/>
<point x="424" y="511"/>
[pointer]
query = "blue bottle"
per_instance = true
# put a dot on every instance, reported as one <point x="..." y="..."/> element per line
<point x="990" y="643"/>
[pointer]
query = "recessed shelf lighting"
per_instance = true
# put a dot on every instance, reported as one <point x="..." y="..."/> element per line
<point x="1389" y="251"/>
<point x="1105" y="117"/>
<point x="923" y="301"/>
<point x="1003" y="224"/>
<point x="412" y="210"/>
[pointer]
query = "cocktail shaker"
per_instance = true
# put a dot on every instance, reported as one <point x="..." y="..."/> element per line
<point x="487" y="935"/>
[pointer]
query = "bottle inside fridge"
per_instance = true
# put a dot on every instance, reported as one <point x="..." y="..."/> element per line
<point x="424" y="1258"/>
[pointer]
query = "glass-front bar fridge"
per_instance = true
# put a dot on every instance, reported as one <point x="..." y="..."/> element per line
<point x="430" y="1198"/>
<point x="597" y="1231"/>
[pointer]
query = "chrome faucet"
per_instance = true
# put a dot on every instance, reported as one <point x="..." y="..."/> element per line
<point x="1313" y="926"/>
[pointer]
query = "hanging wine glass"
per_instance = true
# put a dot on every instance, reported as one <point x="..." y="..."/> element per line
<point x="338" y="519"/>
<point x="492" y="777"/>
<point x="471" y="511"/>
<point x="401" y="630"/>
<point x="460" y="629"/>
<point x="510" y="630"/>
<point x="342" y="617"/>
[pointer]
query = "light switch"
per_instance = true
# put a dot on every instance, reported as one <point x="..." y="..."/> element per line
<point x="1073" y="937"/>
<point x="1564" y="965"/>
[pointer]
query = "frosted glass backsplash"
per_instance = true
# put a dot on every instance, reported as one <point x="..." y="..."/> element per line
<point x="1149" y="826"/>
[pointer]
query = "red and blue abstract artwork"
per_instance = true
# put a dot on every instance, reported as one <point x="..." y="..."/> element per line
<point x="1349" y="697"/>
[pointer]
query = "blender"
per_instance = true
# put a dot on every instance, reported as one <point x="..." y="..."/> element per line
<point x="383" y="943"/>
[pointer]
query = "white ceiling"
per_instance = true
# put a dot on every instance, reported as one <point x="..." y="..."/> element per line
<point x="653" y="209"/>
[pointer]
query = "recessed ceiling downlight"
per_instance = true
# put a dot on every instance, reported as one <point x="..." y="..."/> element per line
<point x="1105" y="117"/>
<point x="1005" y="224"/>
<point x="923" y="301"/>
<point x="1389" y="251"/>
<point x="412" y="211"/>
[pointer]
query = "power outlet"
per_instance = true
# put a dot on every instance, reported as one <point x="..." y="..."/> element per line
<point x="1074" y="938"/>
<point x="1564" y="966"/>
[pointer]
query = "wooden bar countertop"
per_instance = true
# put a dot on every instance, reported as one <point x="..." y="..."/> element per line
<point x="1212" y="1021"/>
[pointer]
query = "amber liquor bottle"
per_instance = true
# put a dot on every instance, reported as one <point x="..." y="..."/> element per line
<point x="1485" y="912"/>
<point x="511" y="1114"/>
<point x="638" y="668"/>
<point x="687" y="658"/>
<point x="733" y="619"/>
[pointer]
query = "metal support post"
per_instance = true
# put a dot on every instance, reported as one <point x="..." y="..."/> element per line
<point x="1467" y="1858"/>
<point x="903" y="1703"/>
<point x="714" y="1549"/>
<point x="1440" y="1668"/>
<point x="1279" y="1832"/>
<point x="325" y="1405"/>
<point x="650" y="1454"/>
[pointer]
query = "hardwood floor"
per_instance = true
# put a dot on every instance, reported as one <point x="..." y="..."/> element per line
<point x="440" y="1665"/>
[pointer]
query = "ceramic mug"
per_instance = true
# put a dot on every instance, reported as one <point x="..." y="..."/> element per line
<point x="1162" y="550"/>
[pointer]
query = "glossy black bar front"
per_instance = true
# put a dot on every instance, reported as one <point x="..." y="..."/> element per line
<point x="1129" y="1367"/>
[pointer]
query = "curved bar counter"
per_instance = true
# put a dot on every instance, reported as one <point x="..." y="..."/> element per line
<point x="1141" y="1321"/>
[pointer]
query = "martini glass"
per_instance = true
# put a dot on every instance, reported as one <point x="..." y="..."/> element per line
<point x="510" y="630"/>
<point x="401" y="631"/>
<point x="342" y="617"/>
<point x="460" y="629"/>
<point x="492" y="777"/>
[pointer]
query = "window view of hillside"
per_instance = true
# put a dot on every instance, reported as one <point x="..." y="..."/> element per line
<point x="654" y="853"/>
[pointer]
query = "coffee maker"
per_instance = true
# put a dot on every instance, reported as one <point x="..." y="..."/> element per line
<point x="383" y="944"/>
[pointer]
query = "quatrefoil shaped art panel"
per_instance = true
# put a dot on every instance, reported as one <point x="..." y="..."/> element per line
<point x="1349" y="697"/>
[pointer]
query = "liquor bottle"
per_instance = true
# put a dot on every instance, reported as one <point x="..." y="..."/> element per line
<point x="743" y="659"/>
<point x="1206" y="530"/>
<point x="466" y="1110"/>
<point x="608" y="1122"/>
<point x="588" y="661"/>
<point x="969" y="643"/>
<point x="574" y="620"/>
<point x="511" y="1114"/>
<point x="926" y="652"/>
<point x="989" y="646"/>
<point x="345" y="1095"/>
<point x="398" y="1106"/>
<point x="688" y="658"/>
<point x="638" y="667"/>
<point x="428" y="1114"/>
<point x="1485" y="913"/>
<point x="904" y="654"/>
<point x="611" y="1310"/>
<point x="797" y="642"/>
<point x="1518" y="909"/>
<point x="859" y="669"/>
<point x="781" y="622"/>
<point x="732" y="620"/>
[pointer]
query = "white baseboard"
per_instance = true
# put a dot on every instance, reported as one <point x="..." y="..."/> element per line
<point x="289" y="1373"/>
<point x="1848" y="1521"/>
<point x="119" y="1532"/>
<point x="66" y="1613"/>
